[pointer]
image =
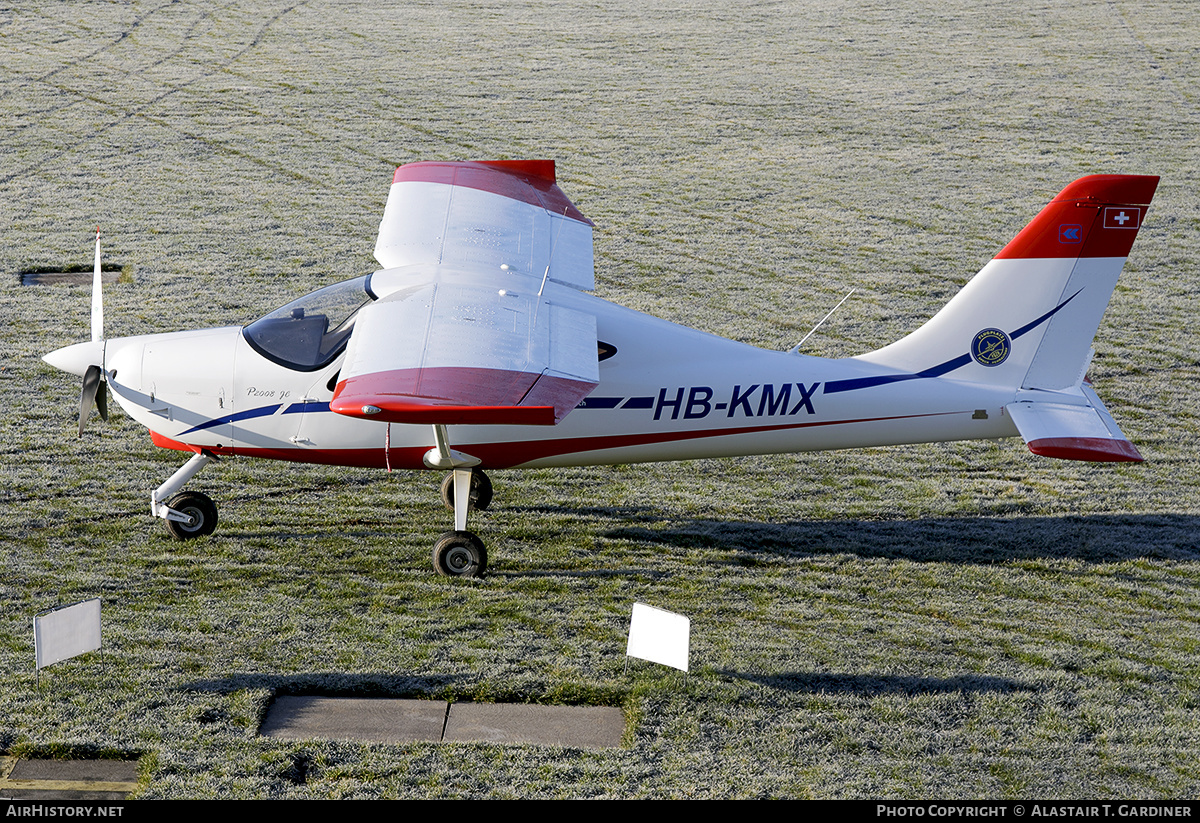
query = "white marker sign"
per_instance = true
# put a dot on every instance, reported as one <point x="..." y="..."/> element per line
<point x="66" y="632"/>
<point x="659" y="636"/>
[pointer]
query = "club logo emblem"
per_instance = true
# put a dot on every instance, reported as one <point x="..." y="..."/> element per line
<point x="991" y="347"/>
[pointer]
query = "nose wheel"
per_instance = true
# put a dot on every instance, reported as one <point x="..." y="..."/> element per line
<point x="200" y="513"/>
<point x="187" y="514"/>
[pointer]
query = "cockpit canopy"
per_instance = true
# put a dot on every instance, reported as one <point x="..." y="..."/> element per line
<point x="307" y="334"/>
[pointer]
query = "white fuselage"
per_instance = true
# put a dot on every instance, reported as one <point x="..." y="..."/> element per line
<point x="667" y="393"/>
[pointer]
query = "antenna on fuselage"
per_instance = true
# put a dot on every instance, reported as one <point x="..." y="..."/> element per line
<point x="796" y="348"/>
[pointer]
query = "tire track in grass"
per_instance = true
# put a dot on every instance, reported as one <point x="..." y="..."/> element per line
<point x="142" y="110"/>
<point x="73" y="97"/>
<point x="218" y="146"/>
<point x="45" y="78"/>
<point x="1152" y="60"/>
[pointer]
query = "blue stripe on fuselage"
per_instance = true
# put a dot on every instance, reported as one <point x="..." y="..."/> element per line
<point x="249" y="414"/>
<point x="835" y="386"/>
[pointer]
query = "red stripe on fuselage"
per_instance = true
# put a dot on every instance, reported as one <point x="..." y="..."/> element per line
<point x="510" y="454"/>
<point x="164" y="442"/>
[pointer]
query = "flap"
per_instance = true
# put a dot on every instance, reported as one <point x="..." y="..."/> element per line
<point x="457" y="350"/>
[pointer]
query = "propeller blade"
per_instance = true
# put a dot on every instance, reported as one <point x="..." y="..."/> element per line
<point x="92" y="381"/>
<point x="97" y="295"/>
<point x="102" y="400"/>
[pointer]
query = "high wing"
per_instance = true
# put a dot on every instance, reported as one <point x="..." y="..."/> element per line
<point x="464" y="329"/>
<point x="486" y="215"/>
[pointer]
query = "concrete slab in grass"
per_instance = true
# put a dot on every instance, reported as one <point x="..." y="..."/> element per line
<point x="67" y="278"/>
<point x="67" y="779"/>
<point x="376" y="720"/>
<point x="386" y="720"/>
<point x="585" y="727"/>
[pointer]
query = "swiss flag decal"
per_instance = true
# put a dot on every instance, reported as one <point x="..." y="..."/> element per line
<point x="1122" y="217"/>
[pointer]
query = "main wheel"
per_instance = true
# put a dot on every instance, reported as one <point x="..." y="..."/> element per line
<point x="200" y="508"/>
<point x="459" y="554"/>
<point x="481" y="491"/>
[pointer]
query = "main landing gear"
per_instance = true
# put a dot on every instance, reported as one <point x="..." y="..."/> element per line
<point x="481" y="491"/>
<point x="457" y="553"/>
<point x="460" y="553"/>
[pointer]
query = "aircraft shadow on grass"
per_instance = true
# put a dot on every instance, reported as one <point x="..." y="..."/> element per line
<point x="1100" y="538"/>
<point x="879" y="685"/>
<point x="980" y="540"/>
<point x="330" y="684"/>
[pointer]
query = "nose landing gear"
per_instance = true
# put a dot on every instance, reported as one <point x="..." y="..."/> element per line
<point x="190" y="514"/>
<point x="200" y="511"/>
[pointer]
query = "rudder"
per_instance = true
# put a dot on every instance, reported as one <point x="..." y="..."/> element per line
<point x="1027" y="319"/>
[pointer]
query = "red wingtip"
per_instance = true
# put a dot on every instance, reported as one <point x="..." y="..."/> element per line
<point x="541" y="169"/>
<point x="527" y="181"/>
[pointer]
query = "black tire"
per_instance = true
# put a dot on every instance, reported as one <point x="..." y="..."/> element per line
<point x="481" y="491"/>
<point x="459" y="554"/>
<point x="197" y="506"/>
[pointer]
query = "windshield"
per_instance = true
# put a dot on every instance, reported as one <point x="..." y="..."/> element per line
<point x="309" y="333"/>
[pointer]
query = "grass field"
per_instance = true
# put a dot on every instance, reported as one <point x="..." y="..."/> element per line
<point x="962" y="620"/>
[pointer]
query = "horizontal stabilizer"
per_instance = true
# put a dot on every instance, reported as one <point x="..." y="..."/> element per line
<point x="1072" y="432"/>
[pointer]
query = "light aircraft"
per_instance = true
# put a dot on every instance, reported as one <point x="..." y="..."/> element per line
<point x="477" y="346"/>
